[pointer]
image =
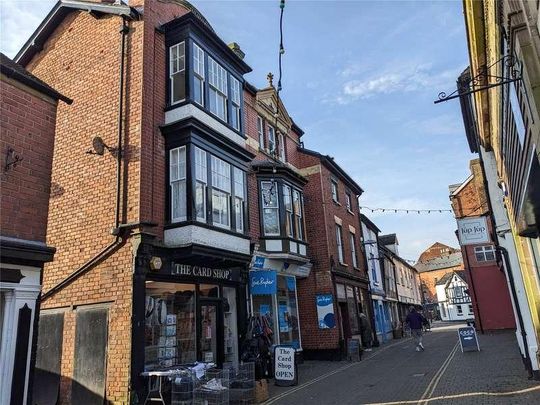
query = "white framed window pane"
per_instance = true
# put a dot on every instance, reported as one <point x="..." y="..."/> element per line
<point x="220" y="208"/>
<point x="198" y="90"/>
<point x="177" y="163"/>
<point x="239" y="183"/>
<point x="235" y="117"/>
<point x="269" y="194"/>
<point x="217" y="76"/>
<point x="260" y="131"/>
<point x="200" y="201"/>
<point x="198" y="60"/>
<point x="271" y="221"/>
<point x="178" y="200"/>
<point x="177" y="67"/>
<point x="289" y="217"/>
<point x="200" y="165"/>
<point x="271" y="139"/>
<point x="353" y="250"/>
<point x="221" y="174"/>
<point x="297" y="205"/>
<point x="334" y="191"/>
<point x="239" y="214"/>
<point x="490" y="255"/>
<point x="235" y="90"/>
<point x="177" y="58"/>
<point x="339" y="243"/>
<point x="281" y="147"/>
<point x="178" y="86"/>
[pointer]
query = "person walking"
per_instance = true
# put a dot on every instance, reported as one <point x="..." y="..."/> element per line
<point x="415" y="322"/>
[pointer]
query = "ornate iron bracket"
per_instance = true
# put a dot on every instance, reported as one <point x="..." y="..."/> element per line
<point x="12" y="159"/>
<point x="512" y="72"/>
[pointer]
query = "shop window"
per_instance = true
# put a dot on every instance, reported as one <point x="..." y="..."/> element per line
<point x="287" y="309"/>
<point x="352" y="310"/>
<point x="230" y="322"/>
<point x="218" y="89"/>
<point x="339" y="242"/>
<point x="198" y="75"/>
<point x="170" y="324"/>
<point x="177" y="72"/>
<point x="177" y="175"/>
<point x="484" y="253"/>
<point x="260" y="132"/>
<point x="209" y="290"/>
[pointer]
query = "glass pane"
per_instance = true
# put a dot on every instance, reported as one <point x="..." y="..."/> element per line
<point x="289" y="332"/>
<point x="169" y="324"/>
<point x="208" y="339"/>
<point x="198" y="90"/>
<point x="178" y="86"/>
<point x="220" y="207"/>
<point x="269" y="194"/>
<point x="271" y="221"/>
<point x="178" y="200"/>
<point x="239" y="214"/>
<point x="209" y="290"/>
<point x="230" y="332"/>
<point x="200" y="200"/>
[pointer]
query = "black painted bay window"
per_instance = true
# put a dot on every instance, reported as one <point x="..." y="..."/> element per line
<point x="282" y="209"/>
<point x="207" y="189"/>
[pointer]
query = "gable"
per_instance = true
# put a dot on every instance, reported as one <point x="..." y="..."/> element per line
<point x="267" y="101"/>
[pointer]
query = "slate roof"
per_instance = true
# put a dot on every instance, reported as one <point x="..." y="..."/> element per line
<point x="443" y="262"/>
<point x="17" y="72"/>
<point x="445" y="279"/>
<point x="390" y="239"/>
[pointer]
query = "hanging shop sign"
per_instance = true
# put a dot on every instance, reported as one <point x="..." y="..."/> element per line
<point x="325" y="311"/>
<point x="468" y="338"/>
<point x="285" y="367"/>
<point x="188" y="270"/>
<point x="472" y="231"/>
<point x="263" y="282"/>
<point x="258" y="263"/>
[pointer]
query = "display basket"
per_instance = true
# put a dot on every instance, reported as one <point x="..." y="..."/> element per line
<point x="242" y="384"/>
<point x="182" y="387"/>
<point x="213" y="388"/>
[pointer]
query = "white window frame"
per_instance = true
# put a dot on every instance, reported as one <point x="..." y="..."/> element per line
<point x="271" y="139"/>
<point x="353" y="250"/>
<point x="260" y="131"/>
<point x="239" y="179"/>
<point x="177" y="165"/>
<point x="198" y="69"/>
<point x="176" y="66"/>
<point x="236" y="102"/>
<point x="348" y="201"/>
<point x="221" y="184"/>
<point x="201" y="178"/>
<point x="266" y="206"/>
<point x="339" y="240"/>
<point x="298" y="214"/>
<point x="289" y="209"/>
<point x="217" y="80"/>
<point x="335" y="193"/>
<point x="481" y="253"/>
<point x="281" y="147"/>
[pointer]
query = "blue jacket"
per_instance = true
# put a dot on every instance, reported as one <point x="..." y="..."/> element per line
<point x="414" y="319"/>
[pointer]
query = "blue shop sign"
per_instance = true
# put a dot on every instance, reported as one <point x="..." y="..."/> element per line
<point x="259" y="262"/>
<point x="263" y="282"/>
<point x="325" y="311"/>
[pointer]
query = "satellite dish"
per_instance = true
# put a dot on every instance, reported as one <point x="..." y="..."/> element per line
<point x="98" y="145"/>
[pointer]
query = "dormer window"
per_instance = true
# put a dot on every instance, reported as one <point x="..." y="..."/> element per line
<point x="198" y="75"/>
<point x="218" y="89"/>
<point x="177" y="72"/>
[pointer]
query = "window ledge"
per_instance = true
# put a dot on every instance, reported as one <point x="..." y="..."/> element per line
<point x="357" y="268"/>
<point x="343" y="264"/>
<point x="336" y="202"/>
<point x="350" y="212"/>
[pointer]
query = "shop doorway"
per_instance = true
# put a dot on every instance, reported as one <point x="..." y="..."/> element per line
<point x="211" y="336"/>
<point x="346" y="327"/>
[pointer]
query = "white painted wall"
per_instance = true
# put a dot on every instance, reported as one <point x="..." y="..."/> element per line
<point x="450" y="312"/>
<point x="372" y="250"/>
<point x="193" y="234"/>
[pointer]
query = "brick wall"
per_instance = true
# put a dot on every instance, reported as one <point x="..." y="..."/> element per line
<point x="27" y="121"/>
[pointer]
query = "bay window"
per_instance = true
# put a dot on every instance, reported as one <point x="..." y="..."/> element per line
<point x="235" y="100"/>
<point x="218" y="189"/>
<point x="177" y="169"/>
<point x="200" y="184"/>
<point x="177" y="72"/>
<point x="221" y="192"/>
<point x="270" y="205"/>
<point x="339" y="240"/>
<point x="198" y="76"/>
<point x="218" y="89"/>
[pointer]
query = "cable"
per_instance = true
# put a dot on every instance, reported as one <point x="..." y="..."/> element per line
<point x="408" y="211"/>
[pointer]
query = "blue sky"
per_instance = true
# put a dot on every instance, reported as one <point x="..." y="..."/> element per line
<point x="360" y="78"/>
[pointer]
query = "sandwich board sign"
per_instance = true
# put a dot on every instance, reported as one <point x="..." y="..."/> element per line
<point x="354" y="353"/>
<point x="468" y="339"/>
<point x="285" y="367"/>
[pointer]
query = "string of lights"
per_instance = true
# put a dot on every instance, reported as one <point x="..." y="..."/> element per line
<point x="407" y="211"/>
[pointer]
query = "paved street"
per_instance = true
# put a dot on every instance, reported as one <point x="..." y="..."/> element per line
<point x="396" y="374"/>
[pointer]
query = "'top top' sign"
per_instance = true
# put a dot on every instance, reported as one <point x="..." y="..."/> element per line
<point x="473" y="231"/>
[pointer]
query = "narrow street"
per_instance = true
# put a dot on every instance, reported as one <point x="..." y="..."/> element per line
<point x="396" y="374"/>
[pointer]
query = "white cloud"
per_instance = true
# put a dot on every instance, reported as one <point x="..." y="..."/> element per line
<point x="445" y="124"/>
<point x="18" y="20"/>
<point x="406" y="79"/>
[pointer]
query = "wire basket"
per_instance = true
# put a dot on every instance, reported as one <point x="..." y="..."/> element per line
<point x="242" y="384"/>
<point x="213" y="388"/>
<point x="182" y="386"/>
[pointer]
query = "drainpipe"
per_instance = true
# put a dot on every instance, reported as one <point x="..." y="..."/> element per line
<point x="506" y="262"/>
<point x="117" y="230"/>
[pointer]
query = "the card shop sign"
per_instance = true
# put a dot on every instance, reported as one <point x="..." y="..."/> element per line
<point x="472" y="231"/>
<point x="178" y="269"/>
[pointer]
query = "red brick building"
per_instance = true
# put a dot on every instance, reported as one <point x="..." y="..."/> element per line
<point x="487" y="282"/>
<point x="27" y="124"/>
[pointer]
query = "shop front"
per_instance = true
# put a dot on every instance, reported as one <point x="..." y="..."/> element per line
<point x="274" y="296"/>
<point x="189" y="308"/>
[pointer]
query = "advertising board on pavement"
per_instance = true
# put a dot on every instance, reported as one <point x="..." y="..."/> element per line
<point x="285" y="367"/>
<point x="468" y="339"/>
